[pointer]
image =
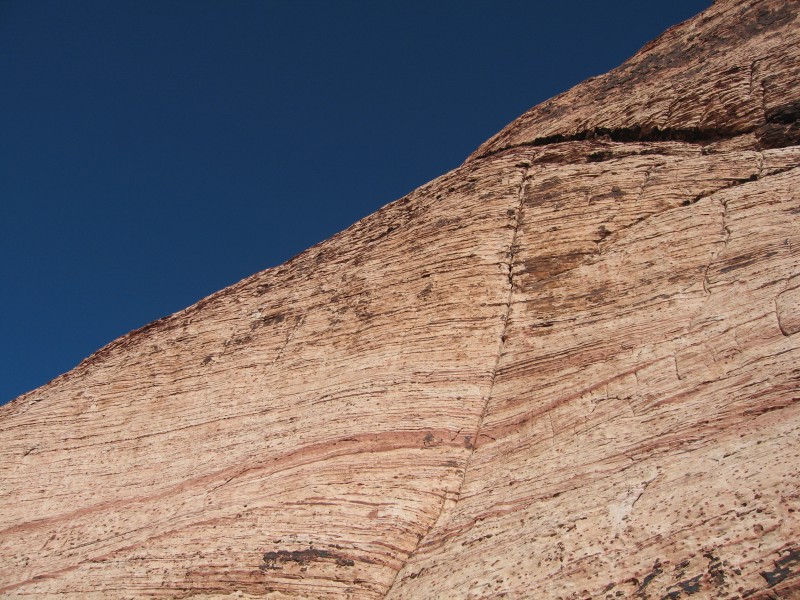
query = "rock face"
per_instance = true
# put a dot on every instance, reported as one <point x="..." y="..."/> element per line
<point x="568" y="369"/>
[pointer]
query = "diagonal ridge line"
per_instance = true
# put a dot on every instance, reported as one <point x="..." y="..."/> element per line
<point x="512" y="252"/>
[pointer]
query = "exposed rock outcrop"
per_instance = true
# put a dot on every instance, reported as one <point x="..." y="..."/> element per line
<point x="567" y="369"/>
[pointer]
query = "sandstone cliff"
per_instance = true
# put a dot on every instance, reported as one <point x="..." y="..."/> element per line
<point x="567" y="369"/>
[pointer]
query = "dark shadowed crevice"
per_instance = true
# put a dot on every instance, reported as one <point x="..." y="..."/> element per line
<point x="509" y="265"/>
<point x="780" y="129"/>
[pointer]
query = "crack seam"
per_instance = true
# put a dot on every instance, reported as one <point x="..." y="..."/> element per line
<point x="777" y="311"/>
<point x="696" y="136"/>
<point x="512" y="251"/>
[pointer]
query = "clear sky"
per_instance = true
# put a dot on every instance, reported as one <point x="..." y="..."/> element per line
<point x="154" y="152"/>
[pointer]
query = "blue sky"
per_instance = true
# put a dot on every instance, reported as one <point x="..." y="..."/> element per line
<point x="154" y="152"/>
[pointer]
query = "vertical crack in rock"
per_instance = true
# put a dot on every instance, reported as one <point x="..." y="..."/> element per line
<point x="298" y="323"/>
<point x="512" y="251"/>
<point x="784" y="331"/>
<point x="719" y="251"/>
<point x="785" y="328"/>
<point x="751" y="79"/>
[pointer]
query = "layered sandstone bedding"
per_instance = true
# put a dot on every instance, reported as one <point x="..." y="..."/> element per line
<point x="566" y="369"/>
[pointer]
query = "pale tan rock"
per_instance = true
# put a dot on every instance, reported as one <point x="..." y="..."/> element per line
<point x="567" y="369"/>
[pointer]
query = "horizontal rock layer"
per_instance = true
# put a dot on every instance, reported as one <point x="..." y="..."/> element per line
<point x="567" y="369"/>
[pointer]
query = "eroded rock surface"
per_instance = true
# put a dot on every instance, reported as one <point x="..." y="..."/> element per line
<point x="567" y="369"/>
